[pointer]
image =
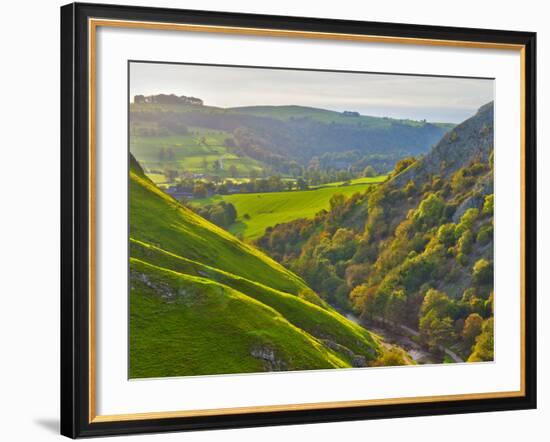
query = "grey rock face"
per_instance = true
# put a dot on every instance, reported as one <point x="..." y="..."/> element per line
<point x="271" y="362"/>
<point x="164" y="290"/>
<point x="482" y="188"/>
<point x="470" y="140"/>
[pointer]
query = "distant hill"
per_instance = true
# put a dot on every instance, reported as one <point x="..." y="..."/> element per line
<point x="279" y="135"/>
<point x="203" y="302"/>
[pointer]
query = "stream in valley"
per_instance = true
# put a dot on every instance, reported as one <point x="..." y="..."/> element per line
<point x="401" y="336"/>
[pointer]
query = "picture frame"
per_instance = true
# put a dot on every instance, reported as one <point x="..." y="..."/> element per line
<point x="80" y="108"/>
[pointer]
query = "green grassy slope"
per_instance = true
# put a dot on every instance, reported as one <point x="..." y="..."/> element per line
<point x="203" y="302"/>
<point x="317" y="319"/>
<point x="200" y="327"/>
<point x="158" y="219"/>
<point x="269" y="209"/>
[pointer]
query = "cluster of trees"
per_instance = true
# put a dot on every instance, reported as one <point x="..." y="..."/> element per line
<point x="222" y="214"/>
<point x="200" y="188"/>
<point x="395" y="254"/>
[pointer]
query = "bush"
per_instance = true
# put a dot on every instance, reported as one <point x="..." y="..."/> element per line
<point x="485" y="235"/>
<point x="469" y="218"/>
<point x="488" y="205"/>
<point x="472" y="328"/>
<point x="465" y="243"/>
<point x="429" y="212"/>
<point x="390" y="358"/>
<point x="447" y="235"/>
<point x="462" y="259"/>
<point x="484" y="346"/>
<point x="482" y="272"/>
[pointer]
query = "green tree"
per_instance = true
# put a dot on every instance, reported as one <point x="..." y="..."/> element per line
<point x="301" y="183"/>
<point x="482" y="271"/>
<point x="402" y="164"/>
<point x="488" y="205"/>
<point x="369" y="171"/>
<point x="429" y="211"/>
<point x="437" y="331"/>
<point x="435" y="301"/>
<point x="465" y="243"/>
<point x="200" y="191"/>
<point x="472" y="328"/>
<point x="484" y="347"/>
<point x="447" y="234"/>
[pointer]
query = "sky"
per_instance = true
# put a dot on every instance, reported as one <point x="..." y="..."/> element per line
<point x="436" y="99"/>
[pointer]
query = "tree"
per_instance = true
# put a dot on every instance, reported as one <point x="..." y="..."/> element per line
<point x="363" y="298"/>
<point x="403" y="163"/>
<point x="482" y="272"/>
<point x="301" y="183"/>
<point x="488" y="205"/>
<point x="484" y="346"/>
<point x="436" y="301"/>
<point x="447" y="234"/>
<point x="233" y="171"/>
<point x="468" y="219"/>
<point x="390" y="358"/>
<point x="429" y="211"/>
<point x="217" y="166"/>
<point x="171" y="174"/>
<point x="472" y="328"/>
<point x="200" y="191"/>
<point x="465" y="243"/>
<point x="396" y="306"/>
<point x="369" y="171"/>
<point x="436" y="331"/>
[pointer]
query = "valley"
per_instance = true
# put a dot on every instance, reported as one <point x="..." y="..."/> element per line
<point x="277" y="238"/>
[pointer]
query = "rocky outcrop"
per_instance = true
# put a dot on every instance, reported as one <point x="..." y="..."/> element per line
<point x="482" y="188"/>
<point x="356" y="360"/>
<point x="470" y="140"/>
<point x="268" y="356"/>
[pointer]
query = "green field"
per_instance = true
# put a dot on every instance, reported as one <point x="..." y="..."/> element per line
<point x="203" y="302"/>
<point x="192" y="152"/>
<point x="269" y="209"/>
<point x="363" y="180"/>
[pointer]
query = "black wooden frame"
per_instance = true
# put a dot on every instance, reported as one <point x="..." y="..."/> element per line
<point x="75" y="220"/>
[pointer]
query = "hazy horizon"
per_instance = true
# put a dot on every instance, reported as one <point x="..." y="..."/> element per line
<point x="435" y="99"/>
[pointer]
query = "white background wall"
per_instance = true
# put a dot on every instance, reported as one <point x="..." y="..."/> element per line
<point x="29" y="219"/>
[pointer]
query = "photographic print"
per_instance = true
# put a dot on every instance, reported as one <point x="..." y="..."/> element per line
<point x="272" y="220"/>
<point x="287" y="219"/>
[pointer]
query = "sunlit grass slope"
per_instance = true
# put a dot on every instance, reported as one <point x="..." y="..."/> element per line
<point x="203" y="302"/>
<point x="257" y="211"/>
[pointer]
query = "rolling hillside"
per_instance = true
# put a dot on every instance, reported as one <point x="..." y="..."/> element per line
<point x="276" y="137"/>
<point x="203" y="302"/>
